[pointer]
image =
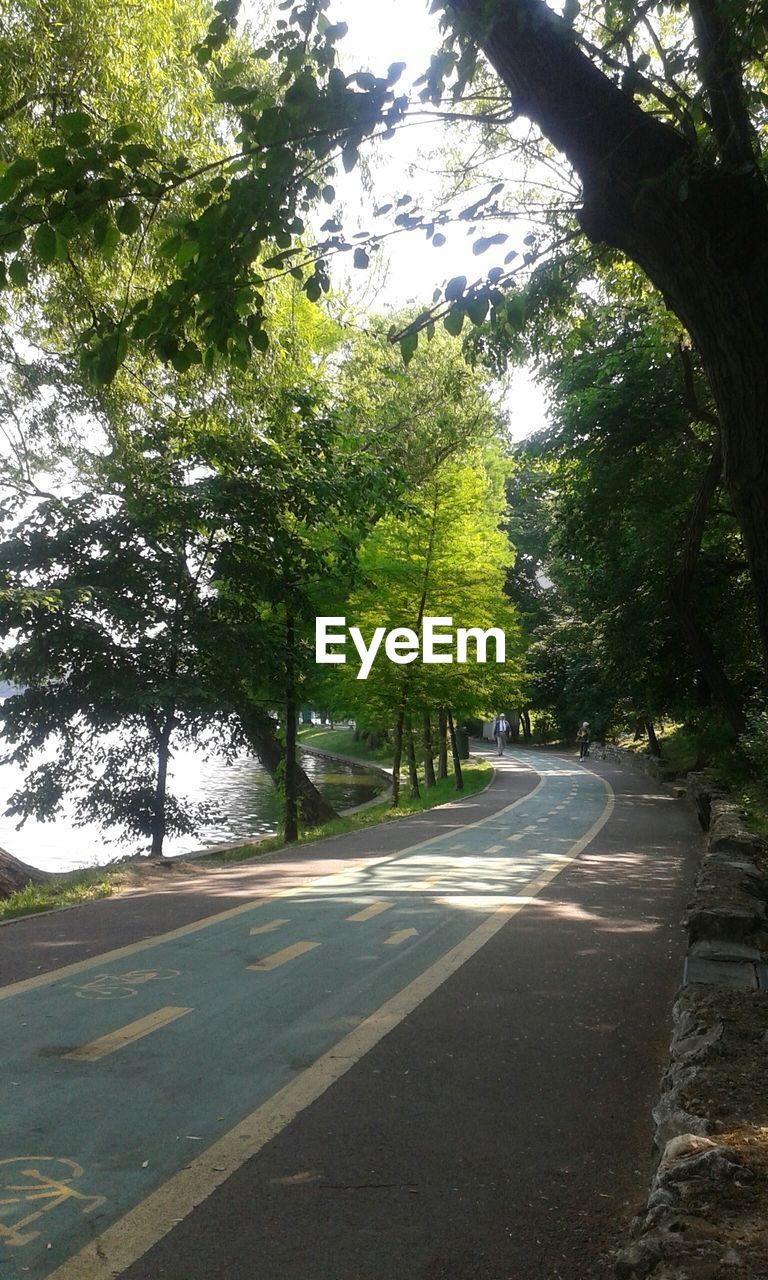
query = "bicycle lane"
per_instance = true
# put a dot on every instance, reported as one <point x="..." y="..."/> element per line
<point x="121" y="1071"/>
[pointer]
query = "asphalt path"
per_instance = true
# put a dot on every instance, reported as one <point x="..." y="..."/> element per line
<point x="425" y="1051"/>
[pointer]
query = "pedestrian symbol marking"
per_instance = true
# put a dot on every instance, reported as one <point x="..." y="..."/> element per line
<point x="121" y="986"/>
<point x="32" y="1186"/>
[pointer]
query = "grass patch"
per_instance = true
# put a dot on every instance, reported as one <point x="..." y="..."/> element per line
<point x="476" y="776"/>
<point x="753" y="799"/>
<point x="61" y="891"/>
<point x="342" y="742"/>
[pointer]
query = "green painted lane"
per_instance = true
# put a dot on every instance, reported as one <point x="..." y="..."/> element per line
<point x="207" y="1036"/>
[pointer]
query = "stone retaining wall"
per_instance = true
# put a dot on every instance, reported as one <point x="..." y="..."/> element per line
<point x="706" y="1217"/>
<point x="640" y="761"/>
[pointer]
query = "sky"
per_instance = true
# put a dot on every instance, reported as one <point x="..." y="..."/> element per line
<point x="381" y="32"/>
<point x="408" y="268"/>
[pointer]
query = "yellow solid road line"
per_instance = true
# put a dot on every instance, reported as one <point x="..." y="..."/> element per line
<point x="126" y="1035"/>
<point x="368" y="913"/>
<point x="132" y="1235"/>
<point x="395" y="938"/>
<point x="282" y="957"/>
<point x="269" y="927"/>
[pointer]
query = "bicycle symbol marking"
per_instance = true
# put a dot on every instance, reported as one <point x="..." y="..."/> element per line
<point x="120" y="986"/>
<point x="33" y="1186"/>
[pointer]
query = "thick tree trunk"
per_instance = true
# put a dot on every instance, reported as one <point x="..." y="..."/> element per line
<point x="698" y="228"/>
<point x="426" y="736"/>
<point x="261" y="731"/>
<point x="15" y="875"/>
<point x="458" y="776"/>
<point x="699" y="644"/>
<point x="526" y="718"/>
<point x="291" y="814"/>
<point x="413" y="775"/>
<point x="514" y="725"/>
<point x="442" y="743"/>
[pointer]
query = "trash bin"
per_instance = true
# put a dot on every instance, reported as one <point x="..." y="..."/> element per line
<point x="462" y="742"/>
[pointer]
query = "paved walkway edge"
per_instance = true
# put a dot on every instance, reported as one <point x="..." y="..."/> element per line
<point x="711" y="1177"/>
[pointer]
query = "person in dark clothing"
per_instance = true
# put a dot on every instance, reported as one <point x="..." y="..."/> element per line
<point x="500" y="730"/>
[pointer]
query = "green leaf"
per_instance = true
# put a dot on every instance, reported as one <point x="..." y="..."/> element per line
<point x="18" y="273"/>
<point x="360" y="259"/>
<point x="477" y="310"/>
<point x="106" y="235"/>
<point x="329" y="194"/>
<point x="515" y="308"/>
<point x="453" y="323"/>
<point x="123" y="132"/>
<point x="53" y="157"/>
<point x="72" y="122"/>
<point x="408" y="344"/>
<point x="187" y="250"/>
<point x="128" y="218"/>
<point x="44" y="243"/>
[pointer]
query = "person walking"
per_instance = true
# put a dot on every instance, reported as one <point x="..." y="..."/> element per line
<point x="500" y="730"/>
<point x="582" y="737"/>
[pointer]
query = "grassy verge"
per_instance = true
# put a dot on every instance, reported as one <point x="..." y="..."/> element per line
<point x="61" y="891"/>
<point x="683" y="750"/>
<point x="680" y="749"/>
<point x="342" y="742"/>
<point x="476" y="776"/>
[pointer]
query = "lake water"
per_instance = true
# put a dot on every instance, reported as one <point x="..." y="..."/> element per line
<point x="243" y="792"/>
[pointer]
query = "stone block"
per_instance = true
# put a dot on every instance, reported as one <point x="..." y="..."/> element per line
<point x="721" y="973"/>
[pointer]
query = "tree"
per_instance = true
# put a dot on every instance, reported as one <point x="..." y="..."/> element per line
<point x="668" y="156"/>
<point x="684" y="196"/>
<point x="443" y="557"/>
<point x="604" y="504"/>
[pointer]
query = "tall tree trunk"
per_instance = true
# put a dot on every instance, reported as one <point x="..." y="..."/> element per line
<point x="514" y="725"/>
<point x="291" y="817"/>
<point x="525" y="715"/>
<point x="162" y="739"/>
<point x="698" y="227"/>
<point x="261" y="731"/>
<point x="458" y="776"/>
<point x="442" y="743"/>
<point x="653" y="742"/>
<point x="413" y="775"/>
<point x="397" y="755"/>
<point x="426" y="737"/>
<point x="699" y="644"/>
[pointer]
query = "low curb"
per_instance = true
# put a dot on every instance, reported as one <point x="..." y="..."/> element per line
<point x="704" y="1219"/>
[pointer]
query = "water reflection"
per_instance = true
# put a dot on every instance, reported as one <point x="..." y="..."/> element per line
<point x="242" y="791"/>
